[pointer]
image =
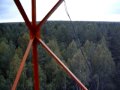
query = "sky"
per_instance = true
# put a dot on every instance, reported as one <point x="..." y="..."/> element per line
<point x="79" y="10"/>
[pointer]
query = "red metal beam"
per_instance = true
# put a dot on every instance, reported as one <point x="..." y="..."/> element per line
<point x="50" y="13"/>
<point x="62" y="65"/>
<point x="22" y="65"/>
<point x="36" y="31"/>
<point x="21" y="10"/>
<point x="34" y="12"/>
<point x="34" y="49"/>
<point x="35" y="66"/>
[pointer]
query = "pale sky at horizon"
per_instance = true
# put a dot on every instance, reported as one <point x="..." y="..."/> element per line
<point x="79" y="10"/>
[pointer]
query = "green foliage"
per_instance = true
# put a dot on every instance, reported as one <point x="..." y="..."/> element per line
<point x="55" y="48"/>
<point x="101" y="62"/>
<point x="3" y="83"/>
<point x="71" y="50"/>
<point x="102" y="59"/>
<point x="14" y="65"/>
<point x="6" y="53"/>
<point x="29" y="84"/>
<point x="23" y="40"/>
<point x="79" y="67"/>
<point x="95" y="62"/>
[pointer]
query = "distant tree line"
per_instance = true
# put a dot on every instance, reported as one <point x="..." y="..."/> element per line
<point x="91" y="50"/>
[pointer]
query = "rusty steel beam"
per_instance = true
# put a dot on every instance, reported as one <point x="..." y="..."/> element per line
<point x="22" y="65"/>
<point x="50" y="13"/>
<point x="66" y="69"/>
<point x="21" y="10"/>
<point x="34" y="49"/>
<point x="34" y="12"/>
<point x="35" y="66"/>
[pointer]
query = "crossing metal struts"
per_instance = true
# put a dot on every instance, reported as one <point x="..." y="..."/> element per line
<point x="35" y="40"/>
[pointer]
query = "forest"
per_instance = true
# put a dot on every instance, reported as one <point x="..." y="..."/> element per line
<point x="91" y="50"/>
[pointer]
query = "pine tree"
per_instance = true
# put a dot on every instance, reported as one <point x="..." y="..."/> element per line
<point x="102" y="59"/>
<point x="54" y="74"/>
<point x="71" y="50"/>
<point x="14" y="65"/>
<point x="23" y="40"/>
<point x="3" y="83"/>
<point x="79" y="67"/>
<point x="54" y="47"/>
<point x="103" y="64"/>
<point x="5" y="56"/>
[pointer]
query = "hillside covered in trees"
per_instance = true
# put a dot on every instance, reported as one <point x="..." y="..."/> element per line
<point x="90" y="49"/>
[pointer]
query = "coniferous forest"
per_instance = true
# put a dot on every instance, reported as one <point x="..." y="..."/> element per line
<point x="91" y="50"/>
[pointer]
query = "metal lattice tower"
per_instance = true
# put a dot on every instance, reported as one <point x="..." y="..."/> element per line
<point x="35" y="39"/>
